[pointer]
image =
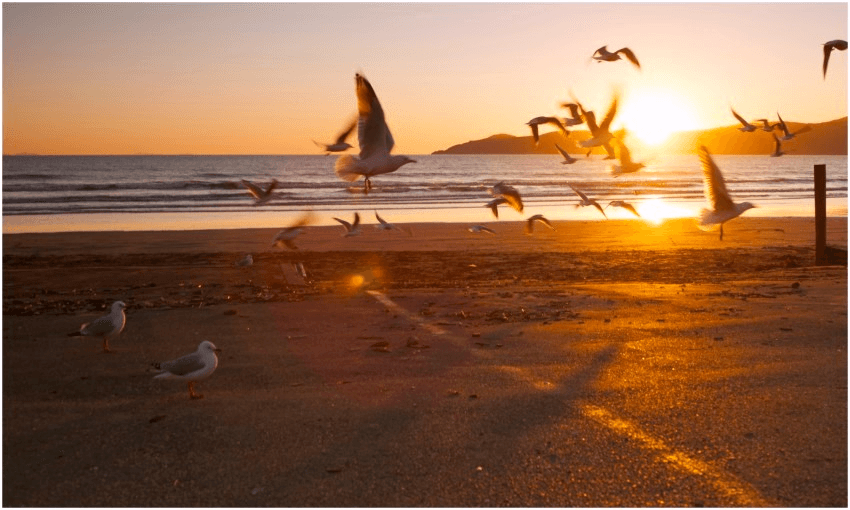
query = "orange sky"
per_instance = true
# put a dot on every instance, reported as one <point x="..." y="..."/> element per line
<point x="269" y="78"/>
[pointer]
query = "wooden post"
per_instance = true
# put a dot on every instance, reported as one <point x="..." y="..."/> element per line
<point x="820" y="214"/>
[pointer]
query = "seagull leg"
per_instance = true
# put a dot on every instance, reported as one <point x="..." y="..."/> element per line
<point x="192" y="393"/>
<point x="106" y="344"/>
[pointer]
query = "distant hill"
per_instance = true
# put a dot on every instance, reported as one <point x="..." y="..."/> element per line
<point x="825" y="138"/>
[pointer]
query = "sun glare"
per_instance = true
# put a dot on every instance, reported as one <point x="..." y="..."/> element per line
<point x="656" y="211"/>
<point x="652" y="116"/>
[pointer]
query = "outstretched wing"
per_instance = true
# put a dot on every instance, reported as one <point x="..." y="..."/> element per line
<point x="609" y="116"/>
<point x="345" y="134"/>
<point x="629" y="55"/>
<point x="344" y="223"/>
<point x="253" y="189"/>
<point x="372" y="130"/>
<point x="715" y="186"/>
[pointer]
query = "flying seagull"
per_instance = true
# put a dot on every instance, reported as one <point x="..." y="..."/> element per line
<point x="721" y="207"/>
<point x="777" y="148"/>
<point x="351" y="229"/>
<point x="746" y="127"/>
<point x="261" y="196"/>
<point x="585" y="201"/>
<point x="575" y="118"/>
<point x="505" y="194"/>
<point x="191" y="367"/>
<point x="788" y="134"/>
<point x="767" y="126"/>
<point x="568" y="160"/>
<point x="837" y="44"/>
<point x="529" y="223"/>
<point x="625" y="205"/>
<point x="286" y="237"/>
<point x="602" y="54"/>
<point x="600" y="134"/>
<point x="375" y="140"/>
<point x="340" y="144"/>
<point x="536" y="121"/>
<point x="626" y="165"/>
<point x="477" y="229"/>
<point x="106" y="327"/>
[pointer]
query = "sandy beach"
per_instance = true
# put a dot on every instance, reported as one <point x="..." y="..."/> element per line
<point x="604" y="363"/>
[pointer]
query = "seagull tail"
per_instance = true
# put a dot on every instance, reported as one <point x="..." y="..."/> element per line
<point x="707" y="220"/>
<point x="346" y="168"/>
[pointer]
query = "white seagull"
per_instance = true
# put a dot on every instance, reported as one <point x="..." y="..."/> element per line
<point x="585" y="201"/>
<point x="246" y="261"/>
<point x="340" y="144"/>
<point x="375" y="139"/>
<point x="837" y="44"/>
<point x="386" y="225"/>
<point x="529" y="223"/>
<point x="625" y="205"/>
<point x="286" y="237"/>
<point x="600" y="134"/>
<point x="478" y="229"/>
<point x="602" y="54"/>
<point x="351" y="229"/>
<point x="722" y="208"/>
<point x="746" y="127"/>
<point x="568" y="160"/>
<point x="106" y="327"/>
<point x="191" y="367"/>
<point x="536" y="121"/>
<point x="626" y="165"/>
<point x="777" y="148"/>
<point x="505" y="194"/>
<point x="261" y="196"/>
<point x="789" y="135"/>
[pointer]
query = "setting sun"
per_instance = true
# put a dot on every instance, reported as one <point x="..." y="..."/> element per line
<point x="652" y="116"/>
<point x="656" y="211"/>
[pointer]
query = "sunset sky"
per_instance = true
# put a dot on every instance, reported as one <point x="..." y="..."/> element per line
<point x="269" y="78"/>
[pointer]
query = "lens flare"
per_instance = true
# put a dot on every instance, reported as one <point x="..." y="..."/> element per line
<point x="656" y="211"/>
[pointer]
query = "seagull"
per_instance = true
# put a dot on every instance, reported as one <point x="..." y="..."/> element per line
<point x="536" y="121"/>
<point x="529" y="223"/>
<point x="746" y="126"/>
<point x="340" y="144"/>
<point x="602" y="54"/>
<point x="626" y="165"/>
<point x="477" y="229"/>
<point x="837" y="44"/>
<point x="375" y="140"/>
<point x="624" y="205"/>
<point x="505" y="194"/>
<point x="106" y="327"/>
<point x="568" y="160"/>
<point x="585" y="201"/>
<point x="777" y="150"/>
<point x="246" y="261"/>
<point x="191" y="367"/>
<point x="600" y="135"/>
<point x="385" y="225"/>
<point x="789" y="135"/>
<point x="767" y="126"/>
<point x="575" y="119"/>
<point x="351" y="229"/>
<point x="722" y="208"/>
<point x="286" y="237"/>
<point x="261" y="196"/>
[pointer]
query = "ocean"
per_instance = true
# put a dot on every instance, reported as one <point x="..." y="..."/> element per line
<point x="93" y="193"/>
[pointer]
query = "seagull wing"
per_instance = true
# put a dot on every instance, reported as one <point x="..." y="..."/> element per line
<point x="612" y="111"/>
<point x="625" y="155"/>
<point x="827" y="49"/>
<point x="534" y="133"/>
<point x="380" y="220"/>
<point x="631" y="208"/>
<point x="782" y="125"/>
<point x="580" y="194"/>
<point x="184" y="365"/>
<point x="629" y="55"/>
<point x="344" y="223"/>
<point x="596" y="205"/>
<point x="356" y="220"/>
<point x="98" y="327"/>
<point x="253" y="189"/>
<point x="372" y="130"/>
<point x="557" y="123"/>
<point x="715" y="185"/>
<point x="272" y="186"/>
<point x="564" y="153"/>
<point x="740" y="119"/>
<point x="602" y="51"/>
<point x="345" y="134"/>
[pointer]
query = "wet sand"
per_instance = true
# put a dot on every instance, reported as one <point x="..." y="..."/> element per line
<point x="431" y="368"/>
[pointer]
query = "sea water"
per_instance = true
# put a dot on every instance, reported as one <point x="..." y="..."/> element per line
<point x="89" y="193"/>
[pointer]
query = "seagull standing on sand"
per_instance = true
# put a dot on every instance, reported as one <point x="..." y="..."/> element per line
<point x="286" y="237"/>
<point x="837" y="44"/>
<point x="746" y="126"/>
<point x="375" y="139"/>
<point x="191" y="367"/>
<point x="568" y="160"/>
<point x="478" y="229"/>
<point x="529" y="223"/>
<point x="600" y="134"/>
<point x="789" y="135"/>
<point x="602" y="54"/>
<point x="261" y="196"/>
<point x="340" y="144"/>
<point x="351" y="229"/>
<point x="722" y="208"/>
<point x="505" y="194"/>
<point x="106" y="327"/>
<point x="626" y="165"/>
<point x="625" y="205"/>
<point x="536" y="121"/>
<point x="585" y="201"/>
